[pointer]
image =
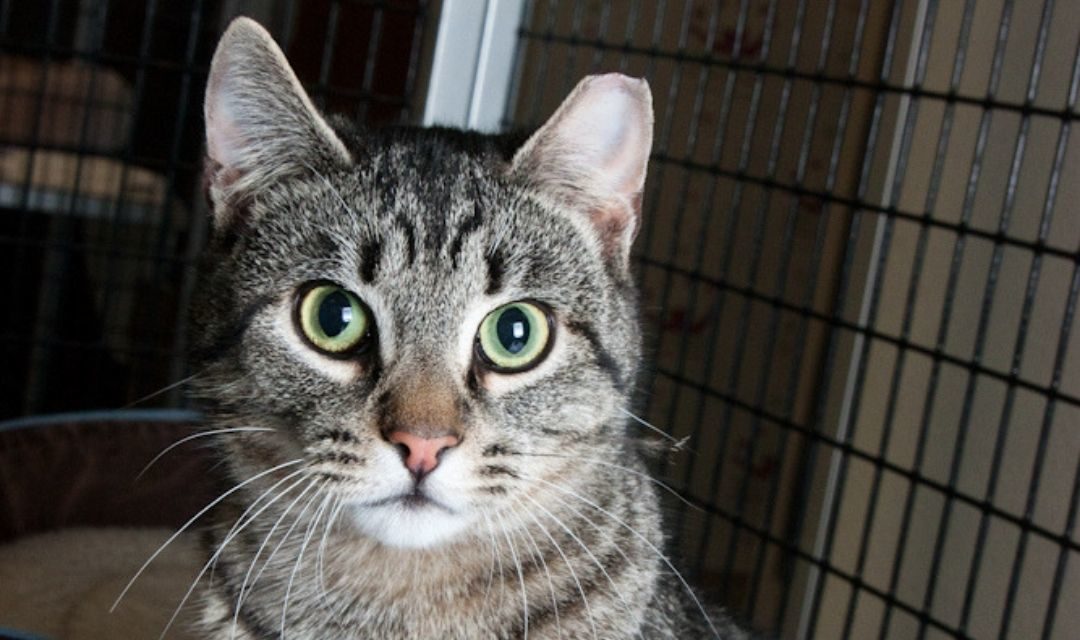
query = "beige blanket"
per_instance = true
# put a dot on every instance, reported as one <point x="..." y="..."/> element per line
<point x="61" y="585"/>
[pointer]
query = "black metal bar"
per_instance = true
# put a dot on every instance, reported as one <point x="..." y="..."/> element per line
<point x="691" y="145"/>
<point x="1069" y="316"/>
<point x="719" y="136"/>
<point x="756" y="252"/>
<point x="837" y="322"/>
<point x="909" y="308"/>
<point x="915" y="477"/>
<point x="601" y="34"/>
<point x="521" y="49"/>
<point x="288" y="21"/>
<point x="414" y="64"/>
<point x="569" y="75"/>
<point x="31" y="147"/>
<point x="920" y="219"/>
<point x="660" y="140"/>
<point x="1040" y="455"/>
<point x="179" y="359"/>
<point x="808" y="472"/>
<point x="1070" y="529"/>
<point x="374" y="39"/>
<point x="823" y="564"/>
<point x="327" y="54"/>
<point x="987" y="305"/>
<point x="780" y="287"/>
<point x="749" y="128"/>
<point x="546" y="40"/>
<point x="94" y="248"/>
<point x="631" y="29"/>
<point x="925" y="37"/>
<point x="950" y="295"/>
<point x="683" y="204"/>
<point x="63" y="227"/>
<point x="882" y="86"/>
<point x="82" y="345"/>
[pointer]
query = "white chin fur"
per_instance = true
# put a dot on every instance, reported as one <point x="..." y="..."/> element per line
<point x="410" y="528"/>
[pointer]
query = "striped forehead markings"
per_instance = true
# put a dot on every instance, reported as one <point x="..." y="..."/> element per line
<point x="467" y="227"/>
<point x="409" y="230"/>
<point x="370" y="256"/>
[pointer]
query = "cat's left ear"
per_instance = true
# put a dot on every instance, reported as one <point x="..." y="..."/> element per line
<point x="260" y="124"/>
<point x="591" y="157"/>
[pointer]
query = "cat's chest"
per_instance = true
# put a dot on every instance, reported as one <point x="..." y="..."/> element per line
<point x="501" y="586"/>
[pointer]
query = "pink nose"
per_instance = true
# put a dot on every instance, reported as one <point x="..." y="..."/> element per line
<point x="421" y="455"/>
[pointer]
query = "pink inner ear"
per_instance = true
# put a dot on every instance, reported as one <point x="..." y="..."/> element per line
<point x="608" y="126"/>
<point x="223" y="138"/>
<point x="611" y="222"/>
<point x="592" y="156"/>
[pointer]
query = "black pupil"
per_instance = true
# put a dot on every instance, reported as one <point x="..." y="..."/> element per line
<point x="513" y="330"/>
<point x="335" y="313"/>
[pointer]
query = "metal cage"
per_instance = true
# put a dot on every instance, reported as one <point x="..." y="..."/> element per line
<point x="859" y="261"/>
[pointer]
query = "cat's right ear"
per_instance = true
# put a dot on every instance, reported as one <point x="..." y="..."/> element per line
<point x="260" y="124"/>
<point x="591" y="156"/>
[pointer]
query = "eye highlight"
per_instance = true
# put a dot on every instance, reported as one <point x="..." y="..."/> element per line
<point x="332" y="319"/>
<point x="515" y="337"/>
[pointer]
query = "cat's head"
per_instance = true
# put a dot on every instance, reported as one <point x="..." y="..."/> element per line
<point x="432" y="324"/>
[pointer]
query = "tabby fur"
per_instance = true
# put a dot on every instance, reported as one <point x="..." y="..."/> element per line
<point x="542" y="520"/>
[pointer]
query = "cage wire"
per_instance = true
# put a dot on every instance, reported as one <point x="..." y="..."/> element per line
<point x="858" y="259"/>
<point x="859" y="269"/>
<point x="102" y="213"/>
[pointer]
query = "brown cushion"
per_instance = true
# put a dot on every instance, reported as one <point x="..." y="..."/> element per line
<point x="66" y="472"/>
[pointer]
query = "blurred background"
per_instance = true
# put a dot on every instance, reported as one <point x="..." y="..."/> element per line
<point x="859" y="260"/>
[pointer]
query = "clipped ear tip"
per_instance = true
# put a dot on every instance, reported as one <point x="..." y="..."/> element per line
<point x="607" y="83"/>
<point x="616" y="80"/>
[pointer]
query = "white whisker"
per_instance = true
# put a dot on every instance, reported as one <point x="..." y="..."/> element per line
<point x="539" y="556"/>
<point x="496" y="562"/>
<point x="635" y="472"/>
<point x="635" y="532"/>
<point x="284" y="538"/>
<point x="320" y="556"/>
<point x="569" y="566"/>
<point x="192" y="520"/>
<point x="521" y="576"/>
<point x="162" y="390"/>
<point x="585" y="548"/>
<point x="664" y="434"/>
<point x="300" y="558"/>
<point x="195" y="436"/>
<point x="258" y="552"/>
<point x="240" y="524"/>
<point x="491" y="563"/>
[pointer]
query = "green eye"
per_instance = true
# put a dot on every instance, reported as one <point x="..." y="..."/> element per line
<point x="514" y="337"/>
<point x="332" y="319"/>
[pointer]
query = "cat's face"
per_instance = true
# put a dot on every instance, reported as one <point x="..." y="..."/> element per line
<point x="431" y="327"/>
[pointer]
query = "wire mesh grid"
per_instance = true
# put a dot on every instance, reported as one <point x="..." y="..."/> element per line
<point x="858" y="258"/>
<point x="101" y="207"/>
<point x="859" y="263"/>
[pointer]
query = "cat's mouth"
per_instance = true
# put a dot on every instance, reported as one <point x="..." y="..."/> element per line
<point x="413" y="500"/>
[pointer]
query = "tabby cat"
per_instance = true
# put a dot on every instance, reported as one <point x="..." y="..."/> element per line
<point x="426" y="341"/>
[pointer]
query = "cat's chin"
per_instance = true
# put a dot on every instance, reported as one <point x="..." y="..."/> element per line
<point x="406" y="525"/>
